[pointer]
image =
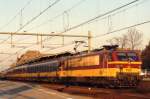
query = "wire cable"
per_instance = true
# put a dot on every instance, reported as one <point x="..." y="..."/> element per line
<point x="138" y="24"/>
<point x="98" y="16"/>
<point x="50" y="20"/>
<point x="35" y="17"/>
<point x="101" y="15"/>
<point x="13" y="18"/>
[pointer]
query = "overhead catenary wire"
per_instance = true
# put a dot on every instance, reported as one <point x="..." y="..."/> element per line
<point x="117" y="12"/>
<point x="101" y="15"/>
<point x="60" y="14"/>
<point x="124" y="28"/>
<point x="121" y="29"/>
<point x="14" y="17"/>
<point x="70" y="43"/>
<point x="34" y="18"/>
<point x="97" y="17"/>
<point x="74" y="6"/>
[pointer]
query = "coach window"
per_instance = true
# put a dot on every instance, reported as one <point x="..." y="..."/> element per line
<point x="34" y="69"/>
<point x="22" y="70"/>
<point x="52" y="68"/>
<point x="43" y="67"/>
<point x="49" y="67"/>
<point x="40" y="68"/>
<point x="31" y="69"/>
<point x="37" y="68"/>
<point x="46" y="67"/>
<point x="27" y="69"/>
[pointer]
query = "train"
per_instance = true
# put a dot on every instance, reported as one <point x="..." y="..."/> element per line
<point x="109" y="66"/>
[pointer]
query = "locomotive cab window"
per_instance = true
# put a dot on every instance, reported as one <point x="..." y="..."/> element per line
<point x="122" y="56"/>
<point x="127" y="56"/>
<point x="132" y="56"/>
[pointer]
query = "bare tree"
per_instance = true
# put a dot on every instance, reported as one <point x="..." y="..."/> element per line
<point x="134" y="38"/>
<point x="121" y="41"/>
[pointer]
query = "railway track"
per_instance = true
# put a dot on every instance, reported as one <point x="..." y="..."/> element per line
<point x="104" y="93"/>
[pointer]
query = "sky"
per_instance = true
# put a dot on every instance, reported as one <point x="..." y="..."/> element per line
<point x="63" y="15"/>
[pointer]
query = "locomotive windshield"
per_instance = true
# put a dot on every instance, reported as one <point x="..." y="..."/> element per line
<point x="132" y="56"/>
<point x="125" y="56"/>
<point x="122" y="56"/>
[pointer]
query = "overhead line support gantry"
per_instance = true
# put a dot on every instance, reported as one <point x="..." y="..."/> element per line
<point x="48" y="34"/>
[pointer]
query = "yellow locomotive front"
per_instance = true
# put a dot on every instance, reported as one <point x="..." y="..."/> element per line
<point x="126" y="67"/>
